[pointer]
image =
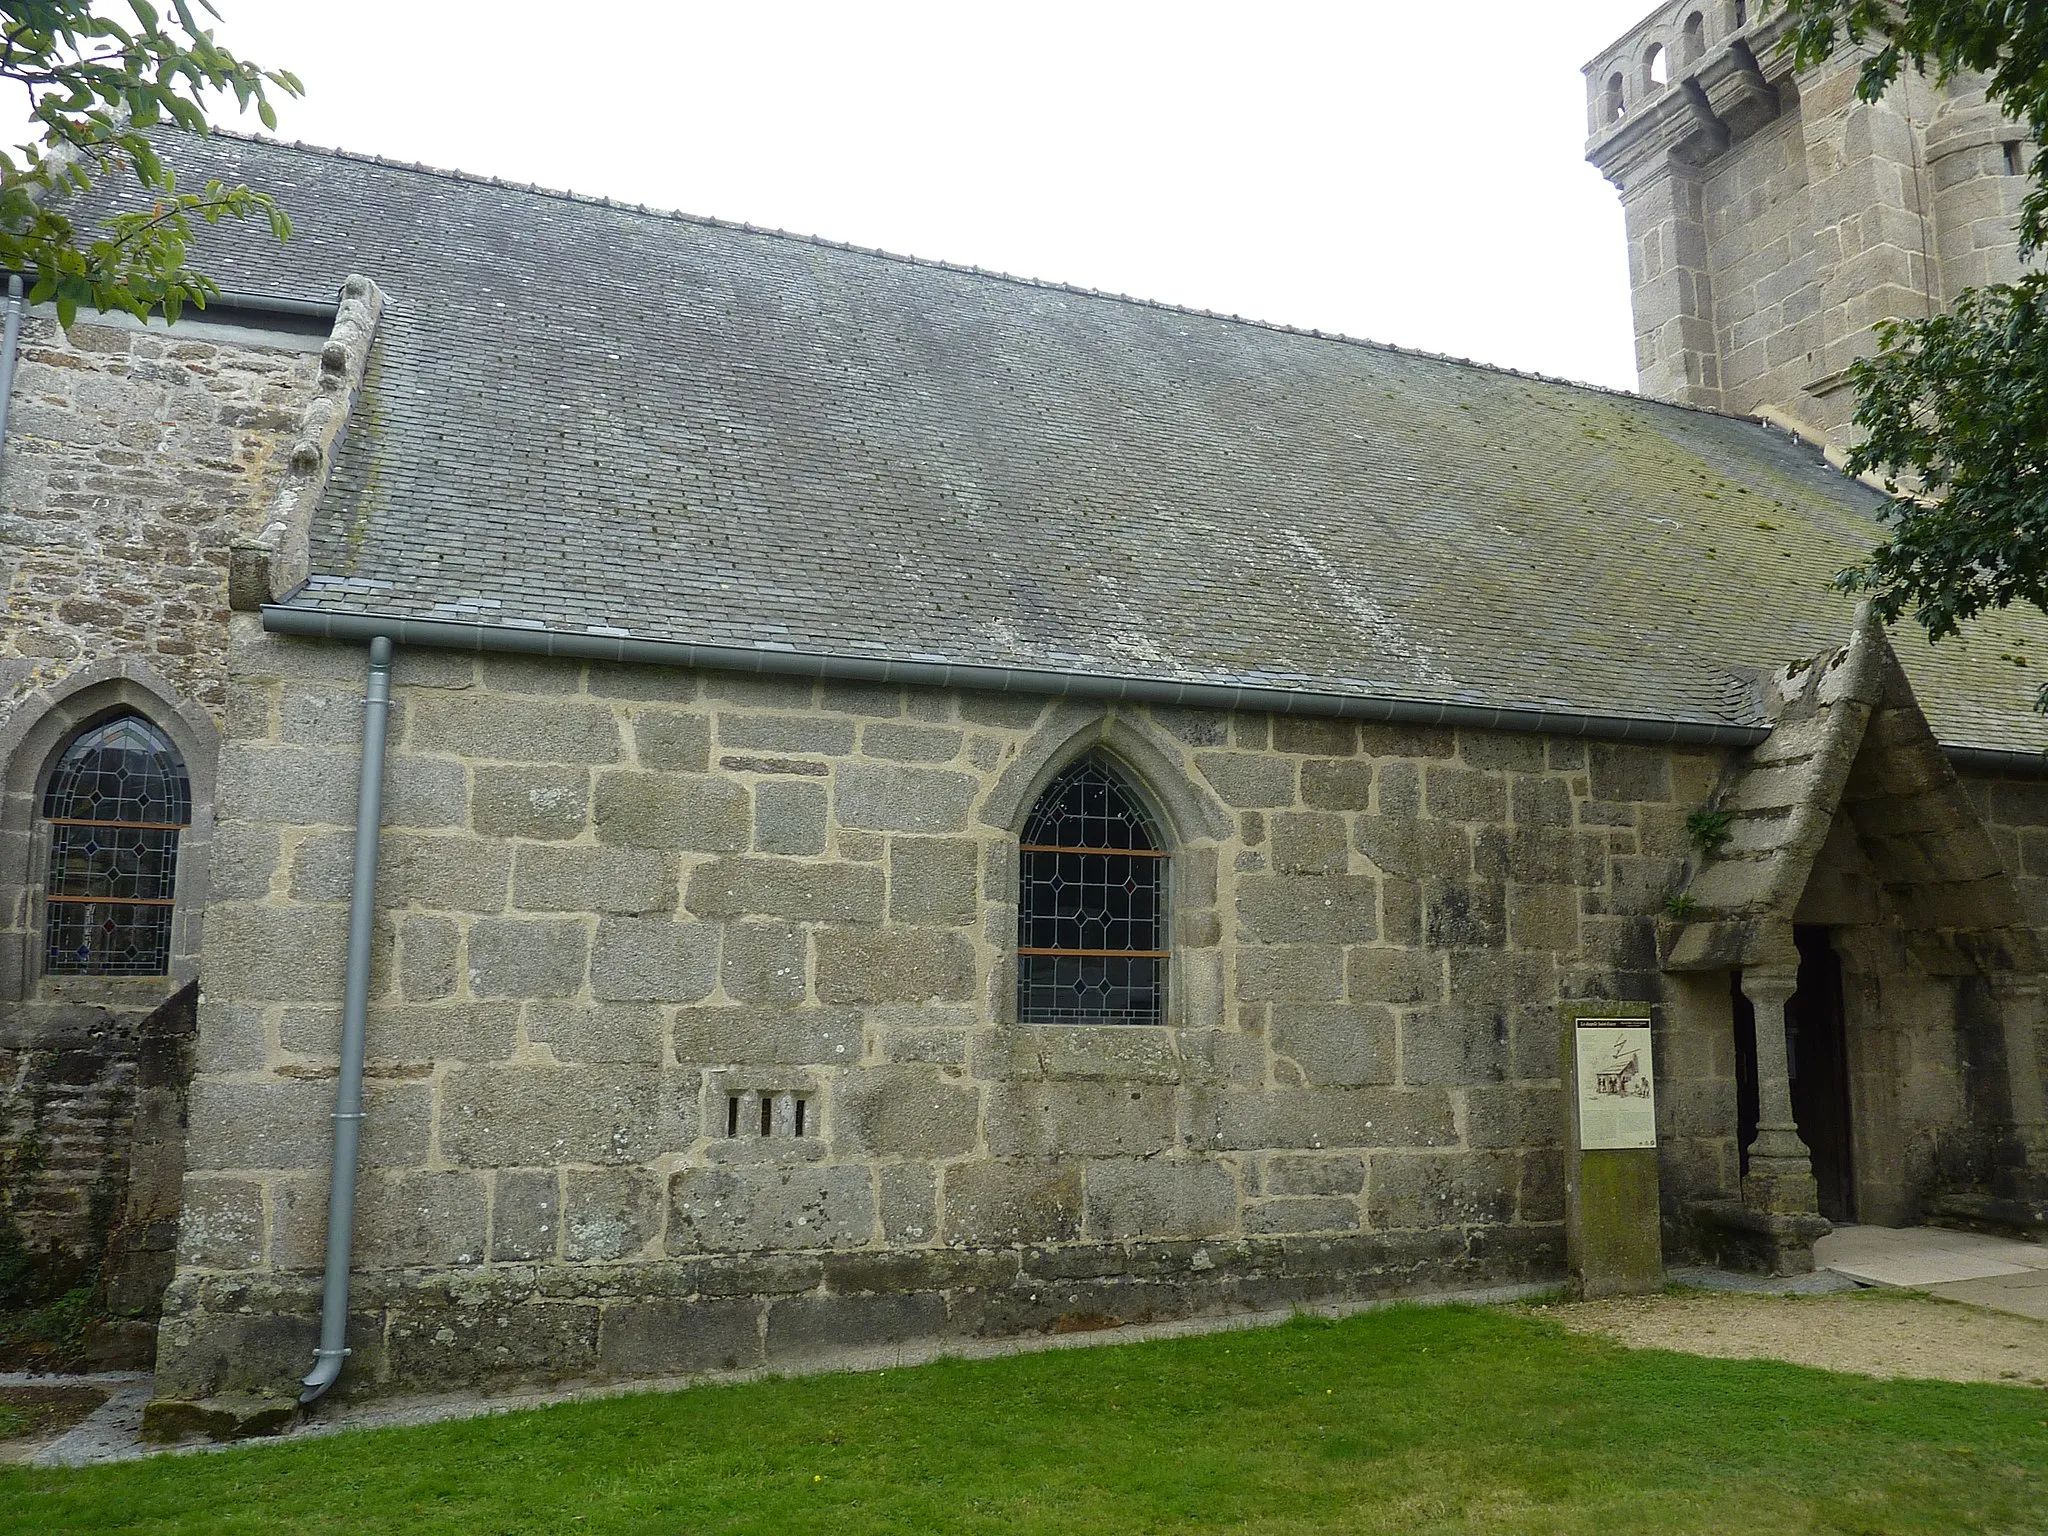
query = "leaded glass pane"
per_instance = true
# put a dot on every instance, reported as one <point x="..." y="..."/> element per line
<point x="116" y="805"/>
<point x="1090" y="909"/>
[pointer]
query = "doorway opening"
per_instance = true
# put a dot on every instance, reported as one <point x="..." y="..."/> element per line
<point x="1817" y="1052"/>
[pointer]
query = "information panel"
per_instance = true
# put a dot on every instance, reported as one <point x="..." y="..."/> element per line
<point x="1617" y="1106"/>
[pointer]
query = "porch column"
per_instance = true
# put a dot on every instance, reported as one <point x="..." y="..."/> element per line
<point x="1780" y="1177"/>
<point x="2024" y="1158"/>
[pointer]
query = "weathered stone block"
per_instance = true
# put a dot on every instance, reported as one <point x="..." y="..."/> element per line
<point x="529" y="674"/>
<point x="1441" y="1189"/>
<point x="1623" y="772"/>
<point x="670" y="742"/>
<point x="747" y="1209"/>
<point x="667" y="810"/>
<point x="594" y="880"/>
<point x="424" y="792"/>
<point x="1248" y="780"/>
<point x="244" y="862"/>
<point x="675" y="1338"/>
<point x="765" y="962"/>
<point x="1395" y="975"/>
<point x="1464" y="916"/>
<point x="805" y="893"/>
<point x="220" y="1225"/>
<point x="602" y="1032"/>
<point x="1007" y="1205"/>
<point x="871" y="965"/>
<point x="1498" y="750"/>
<point x="934" y="880"/>
<point x="527" y="957"/>
<point x="231" y="1038"/>
<point x="1290" y="973"/>
<point x="1515" y="1116"/>
<point x="413" y="1219"/>
<point x="803" y="1327"/>
<point x="789" y="818"/>
<point x="1400" y="789"/>
<point x="1282" y="1118"/>
<point x="653" y="959"/>
<point x="1540" y="856"/>
<point x="1464" y="794"/>
<point x="1421" y="850"/>
<point x="1300" y="909"/>
<point x="910" y="1202"/>
<point x="522" y="1116"/>
<point x="515" y="730"/>
<point x="409" y="1033"/>
<point x="1079" y="1119"/>
<point x="1310" y="843"/>
<point x="1314" y="738"/>
<point x="904" y="743"/>
<point x="292" y="786"/>
<point x="427" y="953"/>
<point x="448" y="874"/>
<point x="860" y="699"/>
<point x="1543" y="917"/>
<point x="908" y="1110"/>
<point x="610" y="1213"/>
<point x="525" y="1216"/>
<point x="888" y="798"/>
<point x="1455" y="1044"/>
<point x="1542" y="803"/>
<point x="765" y="1036"/>
<point x="1289" y="1216"/>
<point x="818" y="735"/>
<point x="1165" y="1198"/>
<point x="295" y="954"/>
<point x="1386" y="740"/>
<point x="1342" y="1045"/>
<point x="1295" y="1174"/>
<point x="1337" y="785"/>
<point x="549" y="804"/>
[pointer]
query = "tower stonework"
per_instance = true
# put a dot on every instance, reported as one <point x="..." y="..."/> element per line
<point x="1774" y="219"/>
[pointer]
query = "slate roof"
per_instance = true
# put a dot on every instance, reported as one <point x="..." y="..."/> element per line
<point x="584" y="415"/>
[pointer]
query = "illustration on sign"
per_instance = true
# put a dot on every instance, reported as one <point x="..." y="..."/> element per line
<point x="1617" y="1109"/>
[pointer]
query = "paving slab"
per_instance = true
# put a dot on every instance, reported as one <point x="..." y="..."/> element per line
<point x="1996" y="1272"/>
<point x="1924" y="1258"/>
<point x="2025" y="1293"/>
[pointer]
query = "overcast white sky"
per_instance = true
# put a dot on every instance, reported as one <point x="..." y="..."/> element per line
<point x="1410" y="173"/>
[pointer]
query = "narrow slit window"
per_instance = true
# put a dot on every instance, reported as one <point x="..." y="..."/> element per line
<point x="2013" y="163"/>
<point x="115" y="807"/>
<point x="1091" y="909"/>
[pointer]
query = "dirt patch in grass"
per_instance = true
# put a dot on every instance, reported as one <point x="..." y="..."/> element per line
<point x="31" y="1416"/>
<point x="1889" y="1334"/>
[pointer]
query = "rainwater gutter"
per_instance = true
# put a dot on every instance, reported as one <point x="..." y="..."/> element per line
<point x="10" y="344"/>
<point x="588" y="645"/>
<point x="348" y="1089"/>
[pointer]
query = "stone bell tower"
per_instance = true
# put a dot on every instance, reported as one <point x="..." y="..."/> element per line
<point x="1774" y="219"/>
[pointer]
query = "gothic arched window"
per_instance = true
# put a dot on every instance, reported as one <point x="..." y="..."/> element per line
<point x="1091" y="905"/>
<point x="115" y="806"/>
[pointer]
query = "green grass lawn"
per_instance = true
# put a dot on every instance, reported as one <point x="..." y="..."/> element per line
<point x="1437" y="1419"/>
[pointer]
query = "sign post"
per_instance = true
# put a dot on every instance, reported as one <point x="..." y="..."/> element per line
<point x="1613" y="1243"/>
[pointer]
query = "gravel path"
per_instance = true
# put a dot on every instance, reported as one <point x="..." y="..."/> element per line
<point x="1872" y="1333"/>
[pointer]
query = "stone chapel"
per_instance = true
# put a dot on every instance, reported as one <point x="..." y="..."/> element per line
<point x="590" y="793"/>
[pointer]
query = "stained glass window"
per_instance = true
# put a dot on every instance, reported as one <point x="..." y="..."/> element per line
<point x="1091" y="908"/>
<point x="115" y="805"/>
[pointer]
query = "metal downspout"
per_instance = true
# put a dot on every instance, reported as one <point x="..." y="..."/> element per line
<point x="9" y="346"/>
<point x="348" y="1090"/>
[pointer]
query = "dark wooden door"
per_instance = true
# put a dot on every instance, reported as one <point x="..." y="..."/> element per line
<point x="1816" y="1047"/>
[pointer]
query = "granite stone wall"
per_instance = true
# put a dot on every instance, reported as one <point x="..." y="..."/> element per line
<point x="134" y="457"/>
<point x="621" y="910"/>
